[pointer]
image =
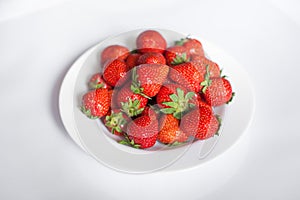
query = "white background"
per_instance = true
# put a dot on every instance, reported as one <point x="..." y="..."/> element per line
<point x="39" y="40"/>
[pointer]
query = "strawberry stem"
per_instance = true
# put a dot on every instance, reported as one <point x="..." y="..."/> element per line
<point x="207" y="81"/>
<point x="136" y="86"/>
<point x="132" y="108"/>
<point x="129" y="142"/>
<point x="179" y="104"/>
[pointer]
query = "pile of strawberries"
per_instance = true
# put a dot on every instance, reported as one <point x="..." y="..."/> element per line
<point x="157" y="93"/>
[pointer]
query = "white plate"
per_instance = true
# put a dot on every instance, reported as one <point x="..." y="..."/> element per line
<point x="94" y="139"/>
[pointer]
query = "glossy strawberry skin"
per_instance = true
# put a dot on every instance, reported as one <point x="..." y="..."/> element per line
<point x="169" y="130"/>
<point x="201" y="64"/>
<point x="113" y="52"/>
<point x="186" y="73"/>
<point x="151" y="41"/>
<point x="194" y="47"/>
<point x="151" y="57"/>
<point x="143" y="131"/>
<point x="95" y="103"/>
<point x="173" y="52"/>
<point x="132" y="59"/>
<point x="151" y="77"/>
<point x="219" y="92"/>
<point x="200" y="123"/>
<point x="114" y="71"/>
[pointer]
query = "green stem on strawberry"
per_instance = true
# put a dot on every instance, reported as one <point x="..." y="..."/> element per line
<point x="136" y="86"/>
<point x="115" y="121"/>
<point x="180" y="59"/>
<point x="132" y="108"/>
<point x="207" y="81"/>
<point x="129" y="142"/>
<point x="179" y="104"/>
<point x="88" y="113"/>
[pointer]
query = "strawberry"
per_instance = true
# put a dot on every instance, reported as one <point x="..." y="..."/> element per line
<point x="142" y="132"/>
<point x="174" y="101"/>
<point x="149" y="78"/>
<point x="95" y="103"/>
<point x="113" y="52"/>
<point x="217" y="91"/>
<point x="116" y="122"/>
<point x="200" y="123"/>
<point x="202" y="63"/>
<point x="132" y="59"/>
<point x="193" y="46"/>
<point x="151" y="57"/>
<point x="97" y="81"/>
<point x="187" y="73"/>
<point x="169" y="131"/>
<point x="132" y="104"/>
<point x="114" y="71"/>
<point x="176" y="55"/>
<point x="151" y="41"/>
<point x="165" y="91"/>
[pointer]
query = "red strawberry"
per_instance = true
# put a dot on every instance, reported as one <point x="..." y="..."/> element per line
<point x="202" y="63"/>
<point x="151" y="57"/>
<point x="114" y="71"/>
<point x="200" y="123"/>
<point x="149" y="78"/>
<point x="97" y="81"/>
<point x="113" y="52"/>
<point x="95" y="103"/>
<point x="187" y="73"/>
<point x="170" y="132"/>
<point x="165" y="91"/>
<point x="142" y="132"/>
<point x="174" y="100"/>
<point x="132" y="104"/>
<point x="132" y="59"/>
<point x="151" y="41"/>
<point x="217" y="91"/>
<point x="193" y="46"/>
<point x="176" y="55"/>
<point x="151" y="111"/>
<point x="116" y="122"/>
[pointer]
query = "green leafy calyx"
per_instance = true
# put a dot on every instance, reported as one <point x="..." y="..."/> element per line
<point x="180" y="103"/>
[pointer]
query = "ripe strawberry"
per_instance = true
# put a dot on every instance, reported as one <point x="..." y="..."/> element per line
<point x="151" y="41"/>
<point x="193" y="46"/>
<point x="130" y="103"/>
<point x="97" y="81"/>
<point x="113" y="52"/>
<point x="173" y="100"/>
<point x="217" y="91"/>
<point x="95" y="103"/>
<point x="114" y="71"/>
<point x="142" y="132"/>
<point x="169" y="130"/>
<point x="187" y="73"/>
<point x="149" y="78"/>
<point x="176" y="55"/>
<point x="132" y="59"/>
<point x="151" y="57"/>
<point x="200" y="123"/>
<point x="202" y="63"/>
<point x="165" y="91"/>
